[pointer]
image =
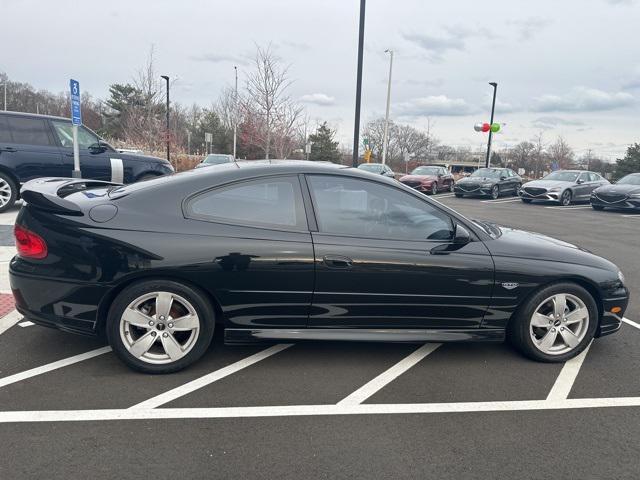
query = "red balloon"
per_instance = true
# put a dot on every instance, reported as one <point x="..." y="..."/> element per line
<point x="486" y="127"/>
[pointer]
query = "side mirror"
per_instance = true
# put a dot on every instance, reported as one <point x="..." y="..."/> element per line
<point x="461" y="235"/>
<point x="97" y="148"/>
<point x="579" y="181"/>
<point x="503" y="177"/>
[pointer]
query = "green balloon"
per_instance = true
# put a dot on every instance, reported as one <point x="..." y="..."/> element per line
<point x="495" y="127"/>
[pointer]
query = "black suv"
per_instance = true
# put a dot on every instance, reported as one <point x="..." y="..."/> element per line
<point x="33" y="146"/>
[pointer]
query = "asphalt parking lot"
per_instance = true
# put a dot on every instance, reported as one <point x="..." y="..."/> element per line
<point x="69" y="409"/>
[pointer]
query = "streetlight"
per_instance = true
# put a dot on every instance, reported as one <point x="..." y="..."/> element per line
<point x="356" y="127"/>
<point x="493" y="108"/>
<point x="5" y="95"/>
<point x="235" y="115"/>
<point x="166" y="78"/>
<point x="386" y="118"/>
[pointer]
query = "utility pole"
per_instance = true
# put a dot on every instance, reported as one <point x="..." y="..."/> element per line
<point x="385" y="139"/>
<point x="235" y="115"/>
<point x="493" y="108"/>
<point x="356" y="127"/>
<point x="166" y="78"/>
<point x="5" y="95"/>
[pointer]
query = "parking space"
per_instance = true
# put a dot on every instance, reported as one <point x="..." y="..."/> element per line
<point x="388" y="404"/>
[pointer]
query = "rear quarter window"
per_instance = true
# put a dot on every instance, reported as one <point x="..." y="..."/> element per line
<point x="29" y="131"/>
<point x="5" y="135"/>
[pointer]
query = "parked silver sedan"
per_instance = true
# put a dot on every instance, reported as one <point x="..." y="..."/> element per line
<point x="563" y="186"/>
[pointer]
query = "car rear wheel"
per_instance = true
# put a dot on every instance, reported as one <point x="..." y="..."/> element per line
<point x="597" y="207"/>
<point x="517" y="192"/>
<point x="451" y="187"/>
<point x="565" y="198"/>
<point x="495" y="192"/>
<point x="434" y="188"/>
<point x="555" y="324"/>
<point x="160" y="326"/>
<point x="8" y="192"/>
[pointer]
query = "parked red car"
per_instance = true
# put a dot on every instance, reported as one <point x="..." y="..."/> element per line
<point x="429" y="179"/>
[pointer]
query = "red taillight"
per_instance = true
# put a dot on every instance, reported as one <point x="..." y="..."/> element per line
<point x="29" y="244"/>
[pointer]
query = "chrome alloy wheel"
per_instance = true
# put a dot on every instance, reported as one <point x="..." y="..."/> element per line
<point x="159" y="327"/>
<point x="559" y="324"/>
<point x="5" y="192"/>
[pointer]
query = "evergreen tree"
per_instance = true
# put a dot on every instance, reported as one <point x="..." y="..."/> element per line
<point x="323" y="147"/>
<point x="630" y="163"/>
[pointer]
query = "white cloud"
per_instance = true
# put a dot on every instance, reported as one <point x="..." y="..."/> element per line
<point x="219" y="58"/>
<point x="321" y="99"/>
<point x="582" y="99"/>
<point x="435" y="105"/>
<point x="549" y="123"/>
<point x="528" y="27"/>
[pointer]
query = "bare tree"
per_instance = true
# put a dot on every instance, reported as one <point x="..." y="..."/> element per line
<point x="561" y="153"/>
<point x="267" y="98"/>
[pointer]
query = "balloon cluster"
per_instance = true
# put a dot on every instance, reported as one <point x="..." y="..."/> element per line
<point x="485" y="127"/>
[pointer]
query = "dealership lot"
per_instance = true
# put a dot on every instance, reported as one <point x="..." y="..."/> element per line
<point x="335" y="409"/>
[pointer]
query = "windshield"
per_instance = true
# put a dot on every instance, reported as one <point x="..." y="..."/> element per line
<point x="562" y="176"/>
<point x="486" y="172"/>
<point x="216" y="159"/>
<point x="370" y="167"/>
<point x="633" y="179"/>
<point x="426" y="171"/>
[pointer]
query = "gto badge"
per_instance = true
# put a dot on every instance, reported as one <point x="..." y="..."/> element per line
<point x="510" y="285"/>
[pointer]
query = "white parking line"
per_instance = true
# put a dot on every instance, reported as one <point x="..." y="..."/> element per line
<point x="9" y="320"/>
<point x="447" y="195"/>
<point x="631" y="216"/>
<point x="571" y="207"/>
<point x="389" y="375"/>
<point x="567" y="376"/>
<point x="26" y="323"/>
<point x="503" y="200"/>
<point x="18" y="377"/>
<point x="631" y="322"/>
<point x="198" y="383"/>
<point x="310" y="410"/>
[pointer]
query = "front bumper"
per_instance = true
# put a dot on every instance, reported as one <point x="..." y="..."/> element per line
<point x="425" y="188"/>
<point x="626" y="203"/>
<point x="546" y="196"/>
<point x="472" y="190"/>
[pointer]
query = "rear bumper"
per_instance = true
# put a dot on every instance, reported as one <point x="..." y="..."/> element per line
<point x="58" y="303"/>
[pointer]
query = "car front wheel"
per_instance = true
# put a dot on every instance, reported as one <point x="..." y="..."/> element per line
<point x="160" y="326"/>
<point x="434" y="188"/>
<point x="495" y="192"/>
<point x="565" y="198"/>
<point x="555" y="324"/>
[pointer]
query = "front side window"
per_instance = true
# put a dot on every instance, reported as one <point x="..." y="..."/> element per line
<point x="274" y="202"/>
<point x="64" y="131"/>
<point x="354" y="207"/>
<point x="29" y="131"/>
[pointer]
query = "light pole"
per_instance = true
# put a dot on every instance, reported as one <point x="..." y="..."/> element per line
<point x="385" y="137"/>
<point x="493" y="109"/>
<point x="235" y="115"/>
<point x="5" y="95"/>
<point x="166" y="78"/>
<point x="356" y="127"/>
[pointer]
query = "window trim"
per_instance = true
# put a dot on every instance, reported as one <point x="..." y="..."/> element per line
<point x="188" y="213"/>
<point x="454" y="219"/>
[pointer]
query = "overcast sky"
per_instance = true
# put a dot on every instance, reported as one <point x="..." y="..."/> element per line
<point x="568" y="67"/>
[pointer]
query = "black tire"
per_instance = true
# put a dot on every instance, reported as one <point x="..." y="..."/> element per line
<point x="12" y="196"/>
<point x="196" y="298"/>
<point x="526" y="200"/>
<point x="565" y="198"/>
<point x="597" y="207"/>
<point x="434" y="188"/>
<point x="518" y="332"/>
<point x="517" y="190"/>
<point x="451" y="187"/>
<point x="458" y="195"/>
<point x="495" y="192"/>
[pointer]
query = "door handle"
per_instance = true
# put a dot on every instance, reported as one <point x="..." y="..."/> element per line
<point x="337" y="261"/>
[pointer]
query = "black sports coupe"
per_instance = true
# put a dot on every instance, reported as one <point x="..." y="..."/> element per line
<point x="271" y="250"/>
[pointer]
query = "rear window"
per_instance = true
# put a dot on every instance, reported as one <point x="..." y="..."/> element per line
<point x="274" y="202"/>
<point x="29" y="131"/>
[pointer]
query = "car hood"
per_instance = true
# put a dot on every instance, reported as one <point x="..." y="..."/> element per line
<point x="474" y="180"/>
<point x="548" y="184"/>
<point x="417" y="178"/>
<point x="616" y="188"/>
<point x="512" y="242"/>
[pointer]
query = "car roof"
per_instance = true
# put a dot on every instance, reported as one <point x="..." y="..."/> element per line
<point x="34" y="115"/>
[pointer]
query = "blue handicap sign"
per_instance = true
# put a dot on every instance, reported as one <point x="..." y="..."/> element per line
<point x="76" y="112"/>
